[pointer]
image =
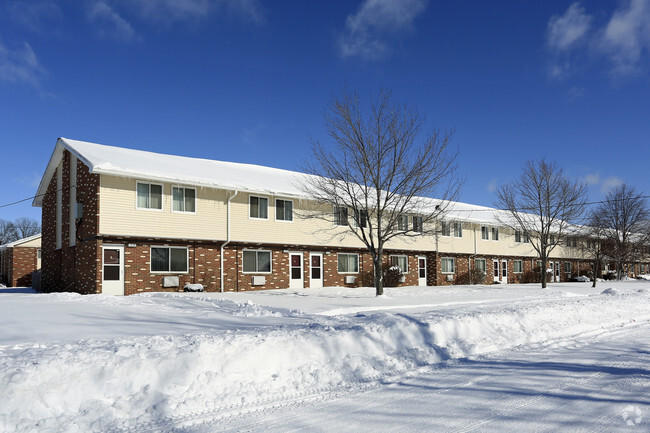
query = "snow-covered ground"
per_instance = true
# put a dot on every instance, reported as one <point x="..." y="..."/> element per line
<point x="206" y="362"/>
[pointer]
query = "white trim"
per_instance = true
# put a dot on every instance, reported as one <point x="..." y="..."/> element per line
<point x="453" y="259"/>
<point x="484" y="263"/>
<point x="302" y="270"/>
<point x="187" y="260"/>
<point x="321" y="280"/>
<point x="196" y="199"/>
<point x="390" y="256"/>
<point x="347" y="273"/>
<point x="267" y="207"/>
<point x="275" y="208"/>
<point x="162" y="196"/>
<point x="514" y="270"/>
<point x="256" y="264"/>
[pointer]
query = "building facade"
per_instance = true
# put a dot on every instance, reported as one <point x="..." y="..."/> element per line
<point x="123" y="221"/>
<point x="18" y="260"/>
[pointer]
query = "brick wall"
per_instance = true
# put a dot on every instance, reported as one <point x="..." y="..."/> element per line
<point x="25" y="261"/>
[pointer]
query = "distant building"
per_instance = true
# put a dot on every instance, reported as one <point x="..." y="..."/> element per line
<point x="18" y="260"/>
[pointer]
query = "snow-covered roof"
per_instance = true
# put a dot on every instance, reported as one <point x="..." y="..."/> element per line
<point x="20" y="241"/>
<point x="119" y="161"/>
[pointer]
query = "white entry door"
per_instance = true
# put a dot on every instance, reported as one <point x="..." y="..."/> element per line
<point x="504" y="272"/>
<point x="316" y="270"/>
<point x="113" y="269"/>
<point x="557" y="272"/>
<point x="495" y="265"/>
<point x="295" y="271"/>
<point x="422" y="271"/>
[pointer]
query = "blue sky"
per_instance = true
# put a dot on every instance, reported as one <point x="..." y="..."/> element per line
<point x="248" y="80"/>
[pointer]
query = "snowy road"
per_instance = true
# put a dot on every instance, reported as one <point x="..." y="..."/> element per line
<point x="599" y="383"/>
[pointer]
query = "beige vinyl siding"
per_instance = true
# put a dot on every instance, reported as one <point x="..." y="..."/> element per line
<point x="33" y="243"/>
<point x="119" y="216"/>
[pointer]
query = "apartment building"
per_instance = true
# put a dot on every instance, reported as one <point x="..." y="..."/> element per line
<point x="123" y="221"/>
<point x="18" y="260"/>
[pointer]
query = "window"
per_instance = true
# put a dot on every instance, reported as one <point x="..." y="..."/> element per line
<point x="258" y="207"/>
<point x="445" y="229"/>
<point x="495" y="233"/>
<point x="284" y="210"/>
<point x="485" y="233"/>
<point x="517" y="236"/>
<point x="256" y="261"/>
<point x="340" y="216"/>
<point x="527" y="237"/>
<point x="348" y="263"/>
<point x="417" y="224"/>
<point x="552" y="239"/>
<point x="149" y="196"/>
<point x="481" y="265"/>
<point x="38" y="254"/>
<point x="403" y="222"/>
<point x="571" y="242"/>
<point x="401" y="262"/>
<point x="169" y="259"/>
<point x="458" y="230"/>
<point x="448" y="265"/>
<point x="361" y="218"/>
<point x="567" y="267"/>
<point x="183" y="199"/>
<point x="518" y="266"/>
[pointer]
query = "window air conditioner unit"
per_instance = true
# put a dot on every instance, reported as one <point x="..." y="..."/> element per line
<point x="170" y="281"/>
<point x="450" y="278"/>
<point x="258" y="280"/>
<point x="350" y="279"/>
<point x="402" y="279"/>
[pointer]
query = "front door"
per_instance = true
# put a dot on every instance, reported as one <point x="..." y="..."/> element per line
<point x="557" y="272"/>
<point x="422" y="271"/>
<point x="316" y="270"/>
<point x="504" y="272"/>
<point x="495" y="265"/>
<point x="113" y="269"/>
<point x="295" y="271"/>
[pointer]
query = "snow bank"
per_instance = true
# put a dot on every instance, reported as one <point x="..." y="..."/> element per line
<point x="141" y="382"/>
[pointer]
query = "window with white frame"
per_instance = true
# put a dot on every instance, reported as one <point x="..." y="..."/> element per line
<point x="258" y="207"/>
<point x="485" y="233"/>
<point x="417" y="224"/>
<point x="458" y="229"/>
<point x="481" y="265"/>
<point x="518" y="236"/>
<point x="361" y="218"/>
<point x="495" y="233"/>
<point x="340" y="216"/>
<point x="283" y="210"/>
<point x="183" y="199"/>
<point x="445" y="228"/>
<point x="169" y="259"/>
<point x="527" y="237"/>
<point x="400" y="261"/>
<point x="38" y="254"/>
<point x="552" y="239"/>
<point x="571" y="242"/>
<point x="448" y="265"/>
<point x="403" y="222"/>
<point x="256" y="261"/>
<point x="518" y="266"/>
<point x="567" y="267"/>
<point x="149" y="196"/>
<point x="348" y="263"/>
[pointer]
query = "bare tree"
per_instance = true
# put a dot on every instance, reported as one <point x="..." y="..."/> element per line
<point x="625" y="217"/>
<point x="595" y="242"/>
<point x="383" y="171"/>
<point x="7" y="232"/>
<point x="26" y="227"/>
<point x="542" y="203"/>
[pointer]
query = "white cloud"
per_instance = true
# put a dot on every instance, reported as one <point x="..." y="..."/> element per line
<point x="492" y="185"/>
<point x="365" y="31"/>
<point x="592" y="179"/>
<point x="566" y="31"/>
<point x="34" y="14"/>
<point x="179" y="10"/>
<point x="20" y="65"/>
<point x="627" y="36"/>
<point x="110" y="22"/>
<point x="610" y="183"/>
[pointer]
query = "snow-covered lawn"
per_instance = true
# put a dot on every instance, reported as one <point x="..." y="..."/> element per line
<point x="159" y="361"/>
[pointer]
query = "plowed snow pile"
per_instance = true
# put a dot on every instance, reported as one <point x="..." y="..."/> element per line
<point x="96" y="363"/>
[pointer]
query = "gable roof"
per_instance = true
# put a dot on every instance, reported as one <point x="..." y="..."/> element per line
<point x="20" y="241"/>
<point x="151" y="166"/>
<point x="140" y="164"/>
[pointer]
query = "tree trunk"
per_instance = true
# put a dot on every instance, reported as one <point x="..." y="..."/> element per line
<point x="543" y="272"/>
<point x="595" y="275"/>
<point x="379" y="275"/>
